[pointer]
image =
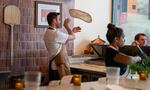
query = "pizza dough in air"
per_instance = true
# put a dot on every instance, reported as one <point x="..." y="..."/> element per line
<point x="80" y="15"/>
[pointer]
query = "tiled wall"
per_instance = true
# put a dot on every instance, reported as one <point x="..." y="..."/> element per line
<point x="29" y="49"/>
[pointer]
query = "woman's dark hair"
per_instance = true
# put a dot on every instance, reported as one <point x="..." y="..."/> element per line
<point x="113" y="32"/>
<point x="51" y="16"/>
<point x="137" y="36"/>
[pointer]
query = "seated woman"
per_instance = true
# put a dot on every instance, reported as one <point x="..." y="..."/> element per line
<point x="113" y="57"/>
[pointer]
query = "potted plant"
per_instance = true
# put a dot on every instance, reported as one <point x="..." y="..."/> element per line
<point x="142" y="68"/>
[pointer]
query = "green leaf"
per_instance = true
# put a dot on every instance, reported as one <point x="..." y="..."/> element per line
<point x="144" y="65"/>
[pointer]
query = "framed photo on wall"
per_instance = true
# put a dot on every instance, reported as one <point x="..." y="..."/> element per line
<point x="133" y="16"/>
<point x="41" y="11"/>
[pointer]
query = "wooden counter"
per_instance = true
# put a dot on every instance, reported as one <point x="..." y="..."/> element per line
<point x="89" y="72"/>
<point x="89" y="67"/>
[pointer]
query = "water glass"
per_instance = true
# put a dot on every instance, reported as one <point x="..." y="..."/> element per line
<point x="32" y="80"/>
<point x="112" y="75"/>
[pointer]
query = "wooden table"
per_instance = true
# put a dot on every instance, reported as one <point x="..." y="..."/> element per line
<point x="84" y="86"/>
<point x="130" y="83"/>
<point x="101" y="85"/>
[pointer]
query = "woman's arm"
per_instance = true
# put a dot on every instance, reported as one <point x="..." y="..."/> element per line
<point x="125" y="59"/>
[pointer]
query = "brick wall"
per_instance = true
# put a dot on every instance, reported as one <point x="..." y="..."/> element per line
<point x="29" y="50"/>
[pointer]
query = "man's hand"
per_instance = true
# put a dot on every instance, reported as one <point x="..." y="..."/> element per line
<point x="71" y="31"/>
<point x="135" y="43"/>
<point x="76" y="29"/>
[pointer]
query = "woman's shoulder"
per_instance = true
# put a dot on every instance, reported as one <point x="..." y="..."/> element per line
<point x="110" y="50"/>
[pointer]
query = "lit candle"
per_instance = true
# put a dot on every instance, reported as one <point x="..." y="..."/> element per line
<point x="77" y="80"/>
<point x="19" y="84"/>
<point x="143" y="75"/>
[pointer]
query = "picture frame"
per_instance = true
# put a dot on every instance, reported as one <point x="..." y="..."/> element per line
<point x="133" y="16"/>
<point x="41" y="11"/>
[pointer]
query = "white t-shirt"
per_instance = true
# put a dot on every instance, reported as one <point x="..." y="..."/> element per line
<point x="53" y="40"/>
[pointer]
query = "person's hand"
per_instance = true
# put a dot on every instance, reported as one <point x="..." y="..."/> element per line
<point x="66" y="21"/>
<point x="76" y="29"/>
<point x="137" y="59"/>
<point x="135" y="43"/>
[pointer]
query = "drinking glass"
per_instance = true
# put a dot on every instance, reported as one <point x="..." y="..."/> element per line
<point x="32" y="80"/>
<point x="112" y="75"/>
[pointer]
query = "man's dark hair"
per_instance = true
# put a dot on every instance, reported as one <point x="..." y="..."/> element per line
<point x="51" y="16"/>
<point x="137" y="36"/>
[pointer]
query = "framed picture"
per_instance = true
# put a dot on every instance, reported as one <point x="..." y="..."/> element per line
<point x="41" y="11"/>
<point x="133" y="16"/>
